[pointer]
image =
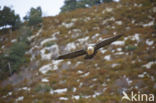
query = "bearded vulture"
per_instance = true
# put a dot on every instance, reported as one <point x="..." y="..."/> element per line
<point x="89" y="51"/>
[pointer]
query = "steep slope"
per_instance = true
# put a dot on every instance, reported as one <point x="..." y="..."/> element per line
<point x="126" y="65"/>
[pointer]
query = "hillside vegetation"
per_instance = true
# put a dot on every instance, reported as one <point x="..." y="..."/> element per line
<point x="128" y="64"/>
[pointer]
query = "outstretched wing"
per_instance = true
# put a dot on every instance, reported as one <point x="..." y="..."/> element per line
<point x="71" y="55"/>
<point x="107" y="41"/>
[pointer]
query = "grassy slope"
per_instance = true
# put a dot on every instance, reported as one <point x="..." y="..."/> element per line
<point x="101" y="73"/>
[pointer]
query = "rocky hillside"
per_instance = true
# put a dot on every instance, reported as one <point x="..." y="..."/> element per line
<point x="128" y="64"/>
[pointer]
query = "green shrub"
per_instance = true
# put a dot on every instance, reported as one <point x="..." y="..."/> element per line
<point x="48" y="44"/>
<point x="130" y="47"/>
<point x="42" y="88"/>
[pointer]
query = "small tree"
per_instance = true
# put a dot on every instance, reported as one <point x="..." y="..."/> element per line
<point x="11" y="61"/>
<point x="16" y="55"/>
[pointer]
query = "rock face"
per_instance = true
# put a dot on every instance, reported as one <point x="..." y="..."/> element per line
<point x="127" y="64"/>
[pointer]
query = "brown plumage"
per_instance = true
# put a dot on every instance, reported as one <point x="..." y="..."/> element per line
<point x="90" y="51"/>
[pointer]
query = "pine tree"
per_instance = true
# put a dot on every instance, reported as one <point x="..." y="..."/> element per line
<point x="34" y="17"/>
<point x="70" y="5"/>
<point x="8" y="17"/>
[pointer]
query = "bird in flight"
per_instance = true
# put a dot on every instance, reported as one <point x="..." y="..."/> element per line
<point x="90" y="50"/>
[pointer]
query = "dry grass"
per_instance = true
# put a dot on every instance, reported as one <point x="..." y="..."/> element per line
<point x="100" y="70"/>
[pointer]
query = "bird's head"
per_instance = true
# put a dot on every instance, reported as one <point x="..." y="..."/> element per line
<point x="90" y="50"/>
